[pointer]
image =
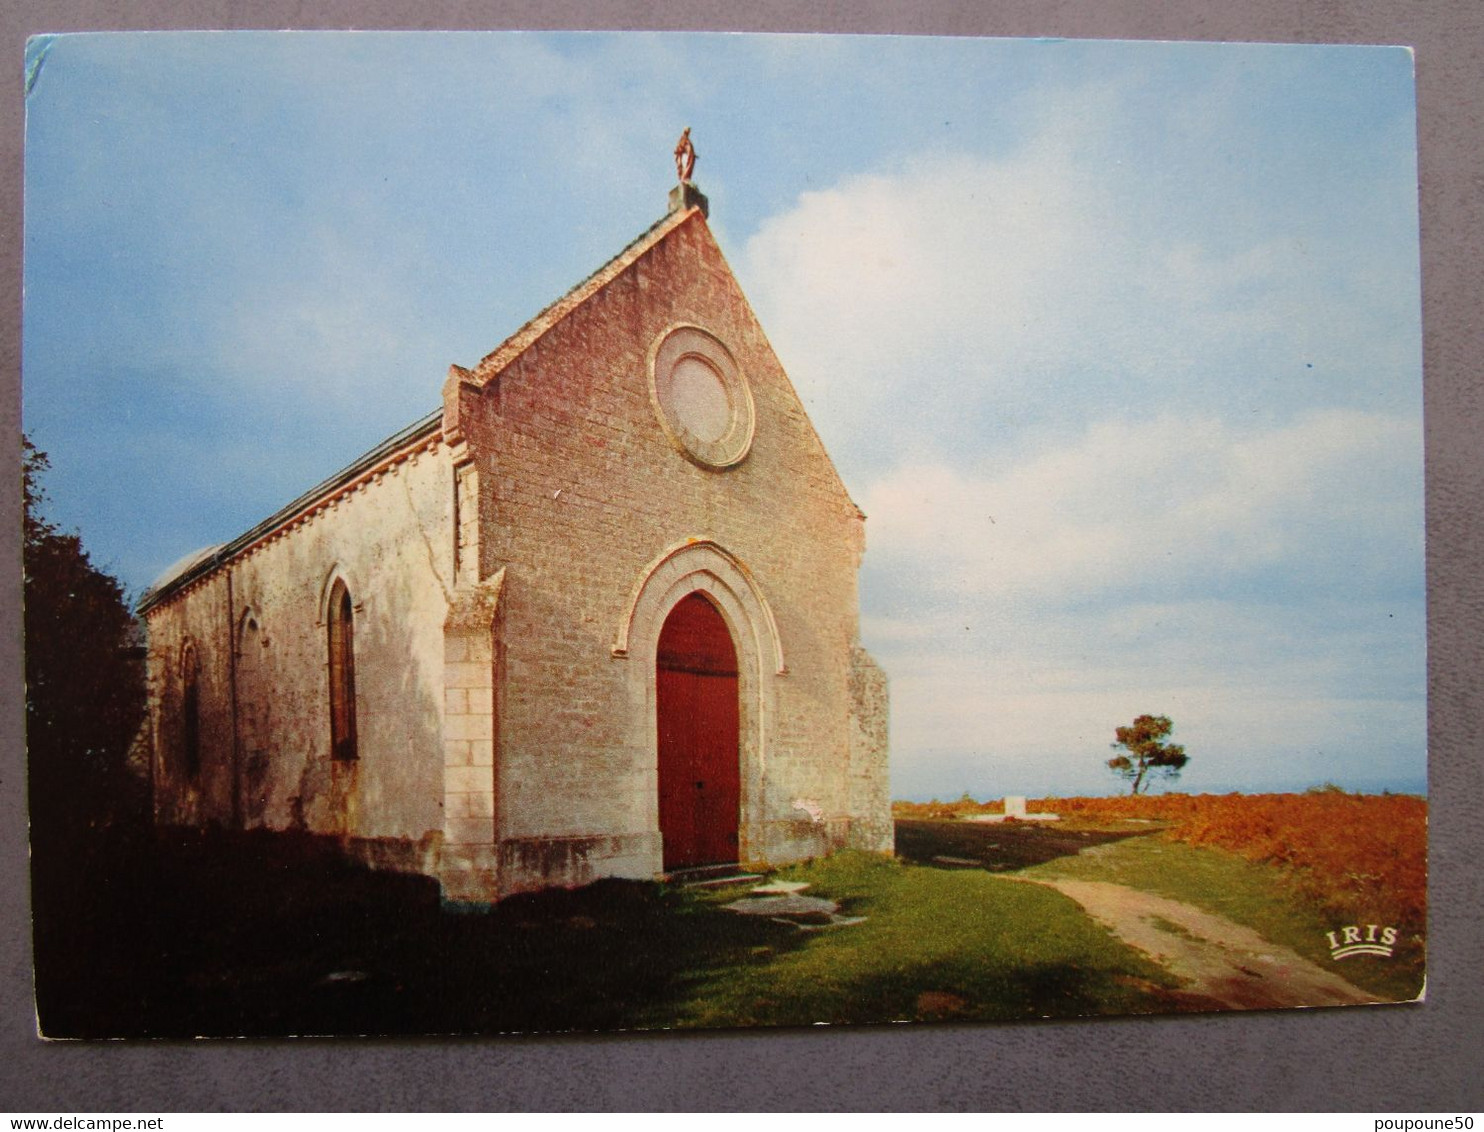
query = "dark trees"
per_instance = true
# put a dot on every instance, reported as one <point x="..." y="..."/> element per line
<point x="84" y="678"/>
<point x="89" y="810"/>
<point x="1144" y="751"/>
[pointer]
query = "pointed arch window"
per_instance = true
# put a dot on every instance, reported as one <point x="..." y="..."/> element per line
<point x="190" y="710"/>
<point x="342" y="674"/>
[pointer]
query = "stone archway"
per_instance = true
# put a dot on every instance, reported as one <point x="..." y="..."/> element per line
<point x="254" y="720"/>
<point x="702" y="567"/>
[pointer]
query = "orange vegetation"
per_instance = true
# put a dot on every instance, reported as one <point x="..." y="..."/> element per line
<point x="937" y="809"/>
<point x="1358" y="855"/>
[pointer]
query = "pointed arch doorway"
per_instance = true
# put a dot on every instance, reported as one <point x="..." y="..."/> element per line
<point x="697" y="716"/>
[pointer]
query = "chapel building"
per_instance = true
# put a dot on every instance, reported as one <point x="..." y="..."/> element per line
<point x="596" y="616"/>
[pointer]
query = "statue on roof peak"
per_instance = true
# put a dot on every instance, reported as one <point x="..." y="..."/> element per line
<point x="685" y="157"/>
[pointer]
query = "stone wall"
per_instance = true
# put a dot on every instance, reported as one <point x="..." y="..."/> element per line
<point x="511" y="573"/>
<point x="200" y="619"/>
<point x="391" y="540"/>
<point x="582" y="492"/>
<point x="871" y="826"/>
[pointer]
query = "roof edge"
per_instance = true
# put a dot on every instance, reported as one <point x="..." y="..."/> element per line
<point x="488" y="368"/>
<point x="492" y="364"/>
<point x="413" y="436"/>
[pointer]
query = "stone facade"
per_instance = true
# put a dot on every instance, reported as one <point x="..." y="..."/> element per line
<point x="511" y="563"/>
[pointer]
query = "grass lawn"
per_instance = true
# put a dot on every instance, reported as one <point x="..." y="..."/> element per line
<point x="221" y="935"/>
<point x="209" y="933"/>
<point x="1254" y="895"/>
<point x="937" y="943"/>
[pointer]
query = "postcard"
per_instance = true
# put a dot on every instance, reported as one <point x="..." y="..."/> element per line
<point x="600" y="532"/>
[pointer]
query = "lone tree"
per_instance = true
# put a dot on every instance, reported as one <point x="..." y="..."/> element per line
<point x="1144" y="750"/>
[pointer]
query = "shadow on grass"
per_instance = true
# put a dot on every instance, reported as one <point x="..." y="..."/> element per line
<point x="1000" y="846"/>
<point x="205" y="933"/>
<point x="210" y="934"/>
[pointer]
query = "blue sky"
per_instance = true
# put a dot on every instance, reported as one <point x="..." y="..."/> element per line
<point x="1118" y="345"/>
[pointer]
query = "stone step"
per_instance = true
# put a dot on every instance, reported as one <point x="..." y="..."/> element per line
<point x="807" y="913"/>
<point x="718" y="882"/>
<point x="788" y="904"/>
<point x="780" y="888"/>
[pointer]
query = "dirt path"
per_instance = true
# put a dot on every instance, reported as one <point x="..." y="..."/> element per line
<point x="1223" y="963"/>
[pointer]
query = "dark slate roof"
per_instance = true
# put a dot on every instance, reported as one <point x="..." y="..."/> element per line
<point x="203" y="562"/>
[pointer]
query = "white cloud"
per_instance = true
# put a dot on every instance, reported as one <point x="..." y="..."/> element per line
<point x="1029" y="694"/>
<point x="867" y="288"/>
<point x="1112" y="463"/>
<point x="1166" y="501"/>
<point x="970" y="293"/>
<point x="1260" y="586"/>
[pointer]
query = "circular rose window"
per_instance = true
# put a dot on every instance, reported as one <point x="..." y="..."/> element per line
<point x="701" y="397"/>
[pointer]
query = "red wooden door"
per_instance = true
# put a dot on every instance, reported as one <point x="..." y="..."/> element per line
<point x="700" y="779"/>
